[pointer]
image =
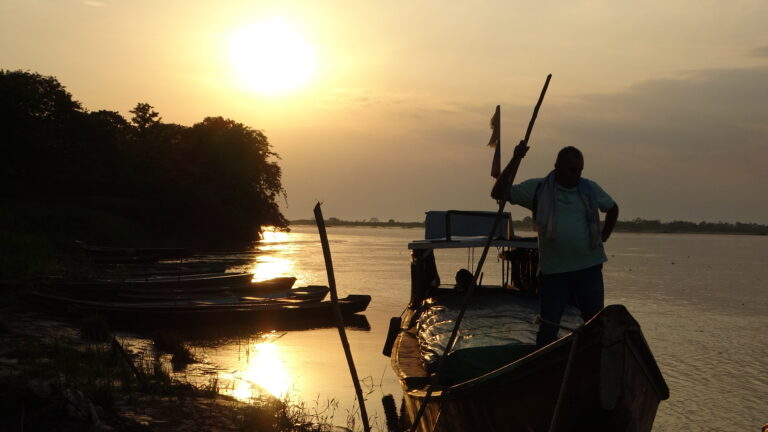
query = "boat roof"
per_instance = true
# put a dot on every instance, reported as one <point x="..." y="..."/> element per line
<point x="453" y="229"/>
<point x="472" y="242"/>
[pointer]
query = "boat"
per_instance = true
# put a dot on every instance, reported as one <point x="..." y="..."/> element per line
<point x="240" y="283"/>
<point x="123" y="271"/>
<point x="310" y="292"/>
<point x="110" y="254"/>
<point x="600" y="375"/>
<point x="195" y="312"/>
<point x="203" y="280"/>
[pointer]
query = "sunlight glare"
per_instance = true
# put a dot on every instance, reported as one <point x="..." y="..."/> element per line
<point x="271" y="57"/>
<point x="272" y="235"/>
<point x="267" y="370"/>
<point x="278" y="252"/>
<point x="270" y="267"/>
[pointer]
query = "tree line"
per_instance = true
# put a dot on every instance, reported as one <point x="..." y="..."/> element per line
<point x="635" y="225"/>
<point x="215" y="182"/>
<point x="656" y="226"/>
<point x="640" y="225"/>
<point x="372" y="222"/>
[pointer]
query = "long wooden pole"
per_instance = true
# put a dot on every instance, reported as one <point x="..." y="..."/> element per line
<point x="479" y="269"/>
<point x="500" y="213"/>
<point x="337" y="314"/>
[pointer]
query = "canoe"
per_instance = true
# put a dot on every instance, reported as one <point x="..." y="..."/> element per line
<point x="240" y="283"/>
<point x="109" y="254"/>
<point x="598" y="376"/>
<point x="125" y="251"/>
<point x="192" y="312"/>
<point x="231" y="280"/>
<point x="311" y="292"/>
<point x="162" y="269"/>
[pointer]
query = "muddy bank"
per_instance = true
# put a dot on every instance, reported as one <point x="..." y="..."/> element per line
<point x="52" y="378"/>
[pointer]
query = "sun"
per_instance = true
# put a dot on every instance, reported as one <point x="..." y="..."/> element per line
<point x="271" y="57"/>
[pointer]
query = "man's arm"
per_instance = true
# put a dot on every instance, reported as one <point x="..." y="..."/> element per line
<point x="500" y="189"/>
<point x="610" y="221"/>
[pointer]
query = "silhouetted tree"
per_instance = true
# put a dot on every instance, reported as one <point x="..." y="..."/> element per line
<point x="144" y="116"/>
<point x="214" y="182"/>
<point x="36" y="115"/>
<point x="226" y="175"/>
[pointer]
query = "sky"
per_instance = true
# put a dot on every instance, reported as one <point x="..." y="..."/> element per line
<point x="381" y="109"/>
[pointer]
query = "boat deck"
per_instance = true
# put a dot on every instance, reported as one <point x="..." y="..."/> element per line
<point x="498" y="327"/>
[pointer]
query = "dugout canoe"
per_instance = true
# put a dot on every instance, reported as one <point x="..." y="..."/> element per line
<point x="310" y="292"/>
<point x="240" y="283"/>
<point x="215" y="310"/>
<point x="110" y="254"/>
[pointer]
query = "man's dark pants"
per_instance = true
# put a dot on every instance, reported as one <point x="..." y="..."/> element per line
<point x="555" y="290"/>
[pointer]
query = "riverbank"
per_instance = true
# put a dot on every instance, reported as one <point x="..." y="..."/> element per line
<point x="637" y="225"/>
<point x="59" y="376"/>
<point x="38" y="236"/>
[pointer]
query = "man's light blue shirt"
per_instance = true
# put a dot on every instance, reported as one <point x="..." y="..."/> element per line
<point x="570" y="250"/>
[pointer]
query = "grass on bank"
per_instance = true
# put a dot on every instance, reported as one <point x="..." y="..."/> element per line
<point x="54" y="376"/>
<point x="56" y="380"/>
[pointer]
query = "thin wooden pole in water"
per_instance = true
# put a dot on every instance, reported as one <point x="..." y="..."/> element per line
<point x="337" y="314"/>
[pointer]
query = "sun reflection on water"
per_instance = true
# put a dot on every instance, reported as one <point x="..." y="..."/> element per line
<point x="274" y="236"/>
<point x="265" y="371"/>
<point x="268" y="267"/>
<point x="275" y="264"/>
<point x="277" y="257"/>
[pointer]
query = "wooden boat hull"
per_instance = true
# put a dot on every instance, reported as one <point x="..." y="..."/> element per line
<point x="208" y="312"/>
<point x="309" y="293"/>
<point x="232" y="280"/>
<point x="614" y="385"/>
<point x="239" y="283"/>
<point x="109" y="254"/>
<point x="162" y="269"/>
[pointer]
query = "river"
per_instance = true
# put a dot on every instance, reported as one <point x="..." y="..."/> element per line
<point x="701" y="301"/>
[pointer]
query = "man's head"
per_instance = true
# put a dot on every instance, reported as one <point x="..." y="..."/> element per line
<point x="568" y="167"/>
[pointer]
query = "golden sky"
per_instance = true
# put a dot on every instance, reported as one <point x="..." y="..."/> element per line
<point x="388" y="113"/>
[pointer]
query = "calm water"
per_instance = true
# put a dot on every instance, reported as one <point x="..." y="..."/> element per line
<point x="700" y="299"/>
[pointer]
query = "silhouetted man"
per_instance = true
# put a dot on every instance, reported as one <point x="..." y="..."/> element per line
<point x="571" y="255"/>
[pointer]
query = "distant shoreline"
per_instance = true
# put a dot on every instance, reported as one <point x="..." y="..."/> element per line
<point x="641" y="226"/>
<point x="376" y="224"/>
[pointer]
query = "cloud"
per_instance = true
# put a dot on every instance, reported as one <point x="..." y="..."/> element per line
<point x="406" y="103"/>
<point x="693" y="146"/>
<point x="760" y="51"/>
